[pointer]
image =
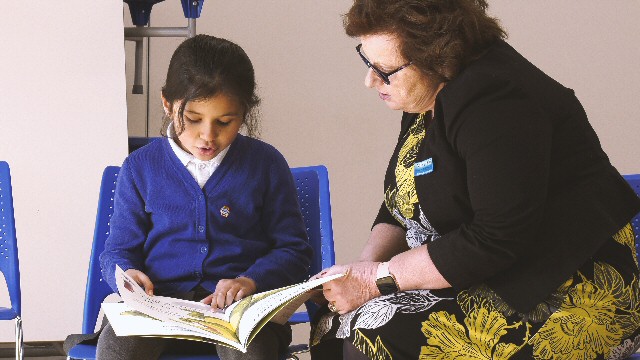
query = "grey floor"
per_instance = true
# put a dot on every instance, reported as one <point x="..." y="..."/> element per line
<point x="51" y="350"/>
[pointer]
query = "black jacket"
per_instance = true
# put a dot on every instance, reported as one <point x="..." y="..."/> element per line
<point x="521" y="191"/>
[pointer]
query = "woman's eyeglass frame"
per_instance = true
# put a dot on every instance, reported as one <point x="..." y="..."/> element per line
<point x="384" y="76"/>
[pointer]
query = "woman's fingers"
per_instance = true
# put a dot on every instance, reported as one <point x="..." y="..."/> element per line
<point x="318" y="297"/>
<point x="335" y="269"/>
<point x="352" y="290"/>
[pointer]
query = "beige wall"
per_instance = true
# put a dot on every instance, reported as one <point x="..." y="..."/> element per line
<point x="63" y="118"/>
<point x="592" y="47"/>
<point x="315" y="110"/>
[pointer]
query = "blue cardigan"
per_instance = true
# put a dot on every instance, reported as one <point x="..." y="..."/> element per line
<point x="245" y="221"/>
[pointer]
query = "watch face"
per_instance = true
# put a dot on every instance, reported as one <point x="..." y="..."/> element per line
<point x="386" y="285"/>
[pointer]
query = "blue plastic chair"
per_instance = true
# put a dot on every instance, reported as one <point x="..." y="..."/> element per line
<point x="9" y="256"/>
<point x="141" y="10"/>
<point x="312" y="185"/>
<point x="634" y="181"/>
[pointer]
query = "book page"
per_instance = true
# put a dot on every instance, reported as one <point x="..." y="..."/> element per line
<point x="192" y="315"/>
<point x="284" y="314"/>
<point x="265" y="305"/>
<point x="235" y="326"/>
<point x="127" y="322"/>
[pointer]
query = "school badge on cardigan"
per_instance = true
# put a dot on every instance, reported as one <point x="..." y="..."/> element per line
<point x="224" y="211"/>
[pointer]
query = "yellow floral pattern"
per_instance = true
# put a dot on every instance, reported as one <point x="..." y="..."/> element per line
<point x="403" y="195"/>
<point x="627" y="237"/>
<point x="373" y="351"/>
<point x="595" y="314"/>
<point x="479" y="338"/>
<point x="591" y="315"/>
<point x="593" y="319"/>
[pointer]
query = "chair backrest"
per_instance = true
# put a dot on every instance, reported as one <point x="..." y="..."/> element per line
<point x="8" y="241"/>
<point x="634" y="181"/>
<point x="98" y="289"/>
<point x="312" y="185"/>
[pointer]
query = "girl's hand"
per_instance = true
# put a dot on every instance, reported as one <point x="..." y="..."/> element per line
<point x="142" y="279"/>
<point x="356" y="287"/>
<point x="230" y="290"/>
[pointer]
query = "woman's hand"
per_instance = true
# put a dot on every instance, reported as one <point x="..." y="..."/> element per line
<point x="356" y="287"/>
<point x="316" y="294"/>
<point x="230" y="290"/>
<point x="142" y="279"/>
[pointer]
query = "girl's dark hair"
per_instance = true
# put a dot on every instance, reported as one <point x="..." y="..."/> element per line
<point x="204" y="66"/>
<point x="440" y="37"/>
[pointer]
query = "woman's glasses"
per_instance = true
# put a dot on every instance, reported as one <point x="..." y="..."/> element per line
<point x="381" y="74"/>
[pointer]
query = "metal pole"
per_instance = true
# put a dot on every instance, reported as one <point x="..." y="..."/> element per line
<point x="191" y="28"/>
<point x="19" y="339"/>
<point x="135" y="32"/>
<point x="139" y="32"/>
<point x="137" y="75"/>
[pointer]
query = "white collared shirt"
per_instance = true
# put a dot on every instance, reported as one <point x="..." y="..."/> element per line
<point x="199" y="169"/>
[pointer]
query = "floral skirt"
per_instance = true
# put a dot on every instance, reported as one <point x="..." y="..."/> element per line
<point x="594" y="315"/>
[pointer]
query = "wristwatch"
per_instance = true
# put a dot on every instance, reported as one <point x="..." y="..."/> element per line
<point x="385" y="280"/>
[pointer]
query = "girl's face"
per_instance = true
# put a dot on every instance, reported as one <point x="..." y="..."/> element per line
<point x="209" y="125"/>
<point x="409" y="89"/>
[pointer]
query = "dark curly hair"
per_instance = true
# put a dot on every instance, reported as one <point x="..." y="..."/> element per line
<point x="440" y="37"/>
<point x="204" y="66"/>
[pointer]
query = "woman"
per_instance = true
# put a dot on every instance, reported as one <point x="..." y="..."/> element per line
<point x="504" y="230"/>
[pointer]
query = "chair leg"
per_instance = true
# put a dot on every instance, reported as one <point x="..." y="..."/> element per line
<point x="19" y="340"/>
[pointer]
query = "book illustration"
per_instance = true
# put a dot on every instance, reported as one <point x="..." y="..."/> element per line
<point x="235" y="326"/>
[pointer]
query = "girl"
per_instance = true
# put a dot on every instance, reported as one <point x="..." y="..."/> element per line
<point x="206" y="213"/>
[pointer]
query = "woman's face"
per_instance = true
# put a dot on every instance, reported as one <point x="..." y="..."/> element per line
<point x="409" y="89"/>
<point x="209" y="125"/>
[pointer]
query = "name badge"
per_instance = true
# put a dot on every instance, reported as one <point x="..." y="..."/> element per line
<point x="423" y="167"/>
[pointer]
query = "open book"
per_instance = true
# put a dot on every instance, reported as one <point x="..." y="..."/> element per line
<point x="235" y="326"/>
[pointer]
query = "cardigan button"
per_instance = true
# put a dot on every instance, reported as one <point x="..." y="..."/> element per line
<point x="203" y="249"/>
<point x="201" y="228"/>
